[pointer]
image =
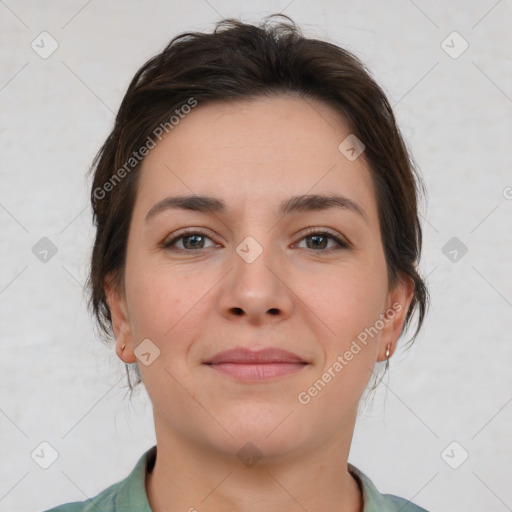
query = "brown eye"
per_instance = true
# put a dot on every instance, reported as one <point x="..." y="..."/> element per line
<point x="319" y="240"/>
<point x="190" y="240"/>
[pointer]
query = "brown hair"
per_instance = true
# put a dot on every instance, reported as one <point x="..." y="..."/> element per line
<point x="241" y="61"/>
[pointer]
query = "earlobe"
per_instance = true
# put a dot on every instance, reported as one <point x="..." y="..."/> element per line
<point x="124" y="353"/>
<point x="120" y="320"/>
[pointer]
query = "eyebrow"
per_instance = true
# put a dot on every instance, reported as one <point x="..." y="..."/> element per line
<point x="302" y="203"/>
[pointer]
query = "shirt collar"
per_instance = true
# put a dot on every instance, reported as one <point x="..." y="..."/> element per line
<point x="372" y="498"/>
<point x="131" y="494"/>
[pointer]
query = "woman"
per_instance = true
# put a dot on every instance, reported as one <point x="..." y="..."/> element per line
<point x="255" y="259"/>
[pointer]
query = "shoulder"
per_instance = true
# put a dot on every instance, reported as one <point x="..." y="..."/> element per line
<point x="104" y="501"/>
<point x="124" y="496"/>
<point x="401" y="505"/>
<point x="374" y="501"/>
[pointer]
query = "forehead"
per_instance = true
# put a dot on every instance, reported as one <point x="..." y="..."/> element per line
<point x="254" y="152"/>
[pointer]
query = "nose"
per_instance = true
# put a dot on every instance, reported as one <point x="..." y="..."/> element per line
<point x="257" y="288"/>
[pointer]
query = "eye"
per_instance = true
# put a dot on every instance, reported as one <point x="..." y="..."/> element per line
<point x="316" y="240"/>
<point x="319" y="240"/>
<point x="190" y="239"/>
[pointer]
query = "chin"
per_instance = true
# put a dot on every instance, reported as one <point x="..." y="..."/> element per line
<point x="271" y="432"/>
<point x="251" y="448"/>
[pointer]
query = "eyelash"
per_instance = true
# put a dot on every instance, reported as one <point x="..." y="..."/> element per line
<point x="342" y="244"/>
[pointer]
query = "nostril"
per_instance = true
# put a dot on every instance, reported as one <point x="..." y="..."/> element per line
<point x="240" y="311"/>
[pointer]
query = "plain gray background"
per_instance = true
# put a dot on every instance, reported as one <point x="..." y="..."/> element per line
<point x="61" y="386"/>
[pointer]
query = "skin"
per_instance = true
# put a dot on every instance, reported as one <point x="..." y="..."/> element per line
<point x="307" y="300"/>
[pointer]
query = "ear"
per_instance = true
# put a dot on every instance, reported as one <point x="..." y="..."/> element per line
<point x="397" y="305"/>
<point x="116" y="300"/>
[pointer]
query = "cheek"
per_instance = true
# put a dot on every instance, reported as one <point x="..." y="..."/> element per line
<point x="167" y="304"/>
<point x="148" y="295"/>
<point x="156" y="302"/>
<point x="353" y="299"/>
<point x="161" y="311"/>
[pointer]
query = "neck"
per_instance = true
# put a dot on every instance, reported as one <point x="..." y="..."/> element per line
<point x="191" y="477"/>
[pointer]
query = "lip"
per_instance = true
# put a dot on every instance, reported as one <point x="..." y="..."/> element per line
<point x="248" y="365"/>
<point x="264" y="356"/>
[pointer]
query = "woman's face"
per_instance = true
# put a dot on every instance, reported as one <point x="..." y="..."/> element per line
<point x="252" y="274"/>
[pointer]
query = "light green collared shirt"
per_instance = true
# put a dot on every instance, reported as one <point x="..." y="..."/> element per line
<point x="129" y="495"/>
